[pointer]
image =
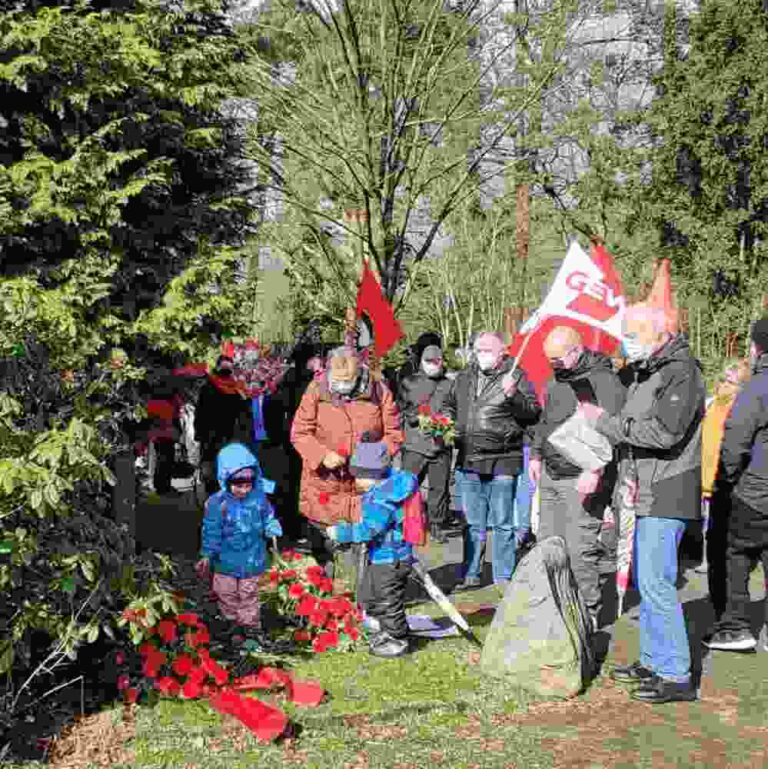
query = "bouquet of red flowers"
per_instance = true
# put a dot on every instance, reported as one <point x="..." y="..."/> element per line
<point x="302" y="592"/>
<point x="174" y="660"/>
<point x="436" y="425"/>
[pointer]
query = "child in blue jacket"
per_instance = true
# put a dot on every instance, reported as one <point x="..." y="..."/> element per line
<point x="238" y="520"/>
<point x="392" y="522"/>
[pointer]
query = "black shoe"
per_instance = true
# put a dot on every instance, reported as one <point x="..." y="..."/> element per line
<point x="436" y="534"/>
<point x="731" y="641"/>
<point x="632" y="674"/>
<point x="665" y="691"/>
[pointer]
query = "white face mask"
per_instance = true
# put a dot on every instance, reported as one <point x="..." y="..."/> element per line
<point x="431" y="369"/>
<point x="342" y="387"/>
<point x="635" y="351"/>
<point x="486" y="360"/>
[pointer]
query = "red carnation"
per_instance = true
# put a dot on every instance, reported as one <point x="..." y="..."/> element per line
<point x="168" y="686"/>
<point x="331" y="624"/>
<point x="329" y="639"/>
<point x="318" y="618"/>
<point x="291" y="555"/>
<point x="166" y="629"/>
<point x="306" y="605"/>
<point x="343" y="450"/>
<point x="302" y="635"/>
<point x="183" y="665"/>
<point x="192" y="689"/>
<point x="425" y="409"/>
<point x="296" y="590"/>
<point x="123" y="682"/>
<point x="190" y="619"/>
<point x="353" y="633"/>
<point x="274" y="575"/>
<point x="199" y="638"/>
<point x="120" y="658"/>
<point x="318" y="645"/>
<point x="323" y="497"/>
<point x="131" y="695"/>
<point x="326" y="585"/>
<point x="146" y="649"/>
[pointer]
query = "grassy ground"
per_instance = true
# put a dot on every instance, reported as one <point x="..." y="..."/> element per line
<point x="433" y="709"/>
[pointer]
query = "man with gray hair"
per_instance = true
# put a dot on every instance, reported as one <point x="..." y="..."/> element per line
<point x="492" y="405"/>
<point x="658" y="434"/>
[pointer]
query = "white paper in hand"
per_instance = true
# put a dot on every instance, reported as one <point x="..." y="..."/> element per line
<point x="581" y="444"/>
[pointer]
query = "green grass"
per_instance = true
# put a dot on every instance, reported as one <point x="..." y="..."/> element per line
<point x="433" y="709"/>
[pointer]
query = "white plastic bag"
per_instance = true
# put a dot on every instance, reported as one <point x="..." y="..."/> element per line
<point x="581" y="444"/>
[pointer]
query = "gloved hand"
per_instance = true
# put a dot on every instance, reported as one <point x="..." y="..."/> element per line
<point x="332" y="533"/>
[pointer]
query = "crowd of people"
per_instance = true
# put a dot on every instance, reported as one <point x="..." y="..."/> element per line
<point x="672" y="457"/>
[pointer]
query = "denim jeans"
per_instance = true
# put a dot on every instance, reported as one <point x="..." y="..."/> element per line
<point x="663" y="638"/>
<point x="488" y="502"/>
<point x="522" y="514"/>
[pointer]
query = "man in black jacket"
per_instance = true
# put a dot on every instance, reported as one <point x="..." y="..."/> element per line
<point x="222" y="416"/>
<point x="743" y="475"/>
<point x="658" y="435"/>
<point x="492" y="405"/>
<point x="422" y="455"/>
<point x="573" y="500"/>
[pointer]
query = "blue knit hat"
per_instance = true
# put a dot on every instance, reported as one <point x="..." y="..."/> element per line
<point x="371" y="459"/>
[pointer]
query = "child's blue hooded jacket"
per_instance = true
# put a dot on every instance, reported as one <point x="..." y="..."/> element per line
<point x="381" y="523"/>
<point x="235" y="530"/>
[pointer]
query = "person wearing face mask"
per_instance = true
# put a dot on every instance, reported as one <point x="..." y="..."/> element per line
<point x="658" y="436"/>
<point x="743" y="480"/>
<point x="422" y="455"/>
<point x="573" y="500"/>
<point x="492" y="405"/>
<point x="223" y="415"/>
<point x="334" y="412"/>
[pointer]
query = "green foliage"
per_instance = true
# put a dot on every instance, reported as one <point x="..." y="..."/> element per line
<point x="381" y="118"/>
<point x="121" y="230"/>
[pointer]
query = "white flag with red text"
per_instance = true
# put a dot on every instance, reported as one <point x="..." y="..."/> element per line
<point x="586" y="294"/>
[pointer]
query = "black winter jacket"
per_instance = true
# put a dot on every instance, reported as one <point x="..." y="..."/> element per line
<point x="597" y="371"/>
<point x="490" y="425"/>
<point x="414" y="391"/>
<point x="220" y="419"/>
<point x="744" y="450"/>
<point x="658" y="432"/>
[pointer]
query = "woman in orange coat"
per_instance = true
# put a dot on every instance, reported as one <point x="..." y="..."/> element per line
<point x="735" y="374"/>
<point x="334" y="413"/>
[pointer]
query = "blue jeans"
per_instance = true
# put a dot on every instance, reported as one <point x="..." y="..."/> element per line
<point x="522" y="514"/>
<point x="488" y="502"/>
<point x="663" y="637"/>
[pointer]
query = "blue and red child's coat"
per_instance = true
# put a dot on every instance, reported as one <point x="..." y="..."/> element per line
<point x="382" y="519"/>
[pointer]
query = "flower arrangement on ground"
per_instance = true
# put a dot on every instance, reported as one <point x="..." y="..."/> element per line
<point x="174" y="660"/>
<point x="300" y="591"/>
<point x="439" y="426"/>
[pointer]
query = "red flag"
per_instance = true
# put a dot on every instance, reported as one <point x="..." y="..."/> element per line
<point x="662" y="296"/>
<point x="371" y="301"/>
<point x="588" y="296"/>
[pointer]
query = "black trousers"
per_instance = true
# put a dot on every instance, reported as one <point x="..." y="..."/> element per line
<point x="438" y="474"/>
<point x="386" y="587"/>
<point x="716" y="543"/>
<point x="746" y="546"/>
<point x="165" y="456"/>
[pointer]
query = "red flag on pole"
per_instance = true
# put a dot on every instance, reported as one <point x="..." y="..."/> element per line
<point x="588" y="296"/>
<point x="372" y="302"/>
